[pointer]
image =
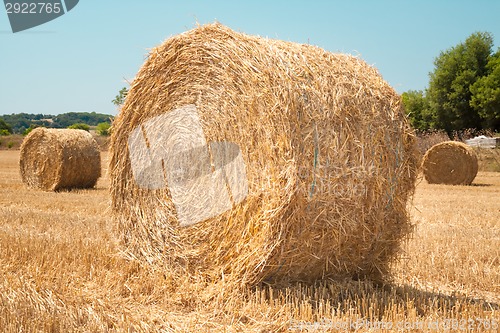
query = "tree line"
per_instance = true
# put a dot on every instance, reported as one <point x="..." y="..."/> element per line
<point x="21" y="123"/>
<point x="463" y="91"/>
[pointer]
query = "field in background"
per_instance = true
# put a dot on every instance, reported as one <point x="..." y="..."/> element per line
<point x="14" y="141"/>
<point x="61" y="271"/>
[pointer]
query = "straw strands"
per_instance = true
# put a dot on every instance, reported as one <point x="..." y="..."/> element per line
<point x="55" y="159"/>
<point x="451" y="163"/>
<point x="239" y="158"/>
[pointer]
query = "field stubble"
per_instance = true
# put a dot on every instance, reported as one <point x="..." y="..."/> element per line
<point x="61" y="271"/>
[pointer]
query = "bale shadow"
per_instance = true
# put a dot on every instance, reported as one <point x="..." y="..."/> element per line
<point x="481" y="185"/>
<point x="350" y="295"/>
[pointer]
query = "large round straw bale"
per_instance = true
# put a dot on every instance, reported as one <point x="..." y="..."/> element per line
<point x="55" y="159"/>
<point x="450" y="162"/>
<point x="244" y="158"/>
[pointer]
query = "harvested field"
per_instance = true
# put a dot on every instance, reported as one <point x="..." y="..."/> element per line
<point x="61" y="271"/>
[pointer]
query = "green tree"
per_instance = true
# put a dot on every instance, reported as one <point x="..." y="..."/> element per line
<point x="486" y="94"/>
<point x="81" y="126"/>
<point x="418" y="110"/>
<point x="103" y="129"/>
<point x="5" y="128"/>
<point x="89" y="118"/>
<point x="120" y="98"/>
<point x="19" y="122"/>
<point x="29" y="129"/>
<point x="456" y="70"/>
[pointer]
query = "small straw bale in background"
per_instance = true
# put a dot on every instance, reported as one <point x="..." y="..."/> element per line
<point x="451" y="163"/>
<point x="239" y="158"/>
<point x="56" y="159"/>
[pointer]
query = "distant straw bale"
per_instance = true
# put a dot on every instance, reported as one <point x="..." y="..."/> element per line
<point x="247" y="159"/>
<point x="56" y="159"/>
<point x="451" y="163"/>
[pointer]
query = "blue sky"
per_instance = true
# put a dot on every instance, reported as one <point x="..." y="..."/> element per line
<point x="79" y="61"/>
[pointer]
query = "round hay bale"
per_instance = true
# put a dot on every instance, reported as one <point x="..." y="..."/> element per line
<point x="247" y="159"/>
<point x="451" y="163"/>
<point x="55" y="159"/>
